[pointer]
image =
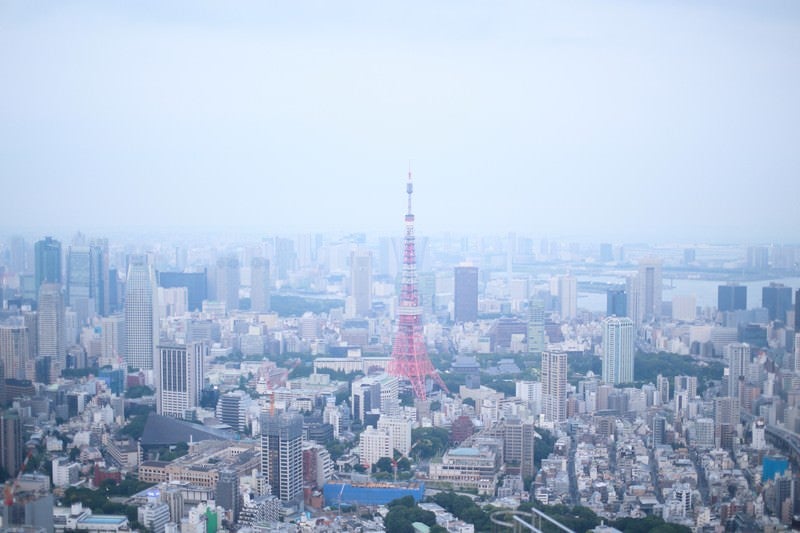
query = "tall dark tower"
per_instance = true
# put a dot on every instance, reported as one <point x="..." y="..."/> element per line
<point x="409" y="355"/>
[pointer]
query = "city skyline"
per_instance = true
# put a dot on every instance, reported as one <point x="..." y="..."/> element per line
<point x="533" y="118"/>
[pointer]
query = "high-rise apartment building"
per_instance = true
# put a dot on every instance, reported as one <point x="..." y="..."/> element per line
<point x="282" y="455"/>
<point x="179" y="379"/>
<point x="259" y="285"/>
<point x="51" y="334"/>
<point x="777" y="299"/>
<point x="536" y="340"/>
<point x="47" y="261"/>
<point x="554" y="385"/>
<point x="731" y="297"/>
<point x="141" y="314"/>
<point x="618" y="350"/>
<point x="568" y="297"/>
<point x="465" y="294"/>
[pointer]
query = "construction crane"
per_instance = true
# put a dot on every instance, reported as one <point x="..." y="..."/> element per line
<point x="11" y="488"/>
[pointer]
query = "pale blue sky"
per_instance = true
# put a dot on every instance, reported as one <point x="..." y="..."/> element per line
<point x="659" y="120"/>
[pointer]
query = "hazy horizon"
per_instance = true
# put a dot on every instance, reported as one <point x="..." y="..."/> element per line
<point x="630" y="122"/>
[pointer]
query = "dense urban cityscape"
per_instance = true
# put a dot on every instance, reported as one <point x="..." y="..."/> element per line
<point x="404" y="267"/>
<point x="399" y="383"/>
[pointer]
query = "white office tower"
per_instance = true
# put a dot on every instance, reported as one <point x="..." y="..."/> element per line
<point x="568" y="297"/>
<point x="141" y="314"/>
<point x="536" y="326"/>
<point x="759" y="437"/>
<point x="554" y="386"/>
<point x="374" y="444"/>
<point x="618" y="346"/>
<point x="400" y="431"/>
<point x="259" y="285"/>
<point x="361" y="281"/>
<point x="738" y="358"/>
<point x="179" y="379"/>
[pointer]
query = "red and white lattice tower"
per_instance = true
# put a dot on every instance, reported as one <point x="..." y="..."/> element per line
<point x="409" y="355"/>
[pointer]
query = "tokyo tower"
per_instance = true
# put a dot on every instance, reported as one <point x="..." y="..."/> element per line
<point x="409" y="355"/>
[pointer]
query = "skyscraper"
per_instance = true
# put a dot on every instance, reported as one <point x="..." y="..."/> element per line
<point x="650" y="288"/>
<point x="633" y="299"/>
<point x="195" y="282"/>
<point x="361" y="281"/>
<point x="15" y="349"/>
<point x="536" y="326"/>
<point x="465" y="297"/>
<point x="179" y="379"/>
<point x="227" y="493"/>
<point x="616" y="302"/>
<point x="83" y="279"/>
<point x="227" y="282"/>
<point x="282" y="455"/>
<point x="231" y="409"/>
<point x="554" y="385"/>
<point x="568" y="297"/>
<point x="731" y="297"/>
<point x="777" y="299"/>
<point x="797" y="311"/>
<point x="259" y="285"/>
<point x="141" y="316"/>
<point x="618" y="348"/>
<point x="11" y="443"/>
<point x="738" y="356"/>
<point x="52" y="337"/>
<point x="47" y="257"/>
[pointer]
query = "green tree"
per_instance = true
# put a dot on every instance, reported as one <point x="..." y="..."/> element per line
<point x="403" y="512"/>
<point x="429" y="442"/>
<point x="138" y="391"/>
<point x="384" y="464"/>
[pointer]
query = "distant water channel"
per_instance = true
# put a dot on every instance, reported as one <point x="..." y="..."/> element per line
<point x="704" y="290"/>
